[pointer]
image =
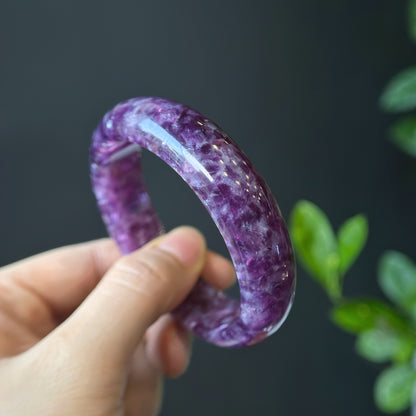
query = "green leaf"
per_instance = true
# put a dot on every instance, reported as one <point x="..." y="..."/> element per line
<point x="400" y="93"/>
<point x="397" y="278"/>
<point x="351" y="239"/>
<point x="403" y="135"/>
<point x="412" y="20"/>
<point x="364" y="314"/>
<point x="394" y="388"/>
<point x="384" y="343"/>
<point x="316" y="245"/>
<point x="406" y="351"/>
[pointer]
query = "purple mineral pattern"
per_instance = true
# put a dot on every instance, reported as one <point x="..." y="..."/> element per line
<point x="232" y="191"/>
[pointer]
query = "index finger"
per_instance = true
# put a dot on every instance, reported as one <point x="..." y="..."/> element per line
<point x="63" y="277"/>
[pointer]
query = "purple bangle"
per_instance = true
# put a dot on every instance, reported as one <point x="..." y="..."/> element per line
<point x="234" y="194"/>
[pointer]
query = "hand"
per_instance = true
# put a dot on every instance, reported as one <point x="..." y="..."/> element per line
<point x="85" y="332"/>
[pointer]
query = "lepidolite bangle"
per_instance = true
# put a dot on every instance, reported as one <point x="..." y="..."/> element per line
<point x="234" y="194"/>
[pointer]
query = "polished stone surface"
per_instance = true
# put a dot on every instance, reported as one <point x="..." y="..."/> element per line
<point x="228" y="185"/>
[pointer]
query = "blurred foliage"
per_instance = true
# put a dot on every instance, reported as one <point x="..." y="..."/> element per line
<point x="400" y="96"/>
<point x="400" y="93"/>
<point x="326" y="256"/>
<point x="317" y="246"/>
<point x="397" y="278"/>
<point x="412" y="20"/>
<point x="385" y="332"/>
<point x="403" y="135"/>
<point x="352" y="237"/>
<point x="363" y="314"/>
<point x="394" y="388"/>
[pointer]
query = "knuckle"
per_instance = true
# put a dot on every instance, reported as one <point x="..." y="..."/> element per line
<point x="151" y="269"/>
<point x="25" y="307"/>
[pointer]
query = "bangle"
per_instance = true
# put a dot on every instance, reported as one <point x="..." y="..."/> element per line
<point x="236" y="197"/>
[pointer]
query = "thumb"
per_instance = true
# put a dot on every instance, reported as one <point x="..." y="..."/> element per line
<point x="138" y="289"/>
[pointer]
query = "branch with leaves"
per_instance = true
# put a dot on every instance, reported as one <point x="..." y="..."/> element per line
<point x="400" y="97"/>
<point x="386" y="332"/>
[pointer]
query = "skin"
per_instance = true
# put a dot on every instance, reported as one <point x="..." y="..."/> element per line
<point x="84" y="331"/>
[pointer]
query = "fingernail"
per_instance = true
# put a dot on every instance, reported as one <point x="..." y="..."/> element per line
<point x="186" y="243"/>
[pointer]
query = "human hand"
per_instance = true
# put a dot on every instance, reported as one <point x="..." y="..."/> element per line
<point x="85" y="332"/>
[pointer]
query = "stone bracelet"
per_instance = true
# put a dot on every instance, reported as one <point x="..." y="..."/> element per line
<point x="236" y="197"/>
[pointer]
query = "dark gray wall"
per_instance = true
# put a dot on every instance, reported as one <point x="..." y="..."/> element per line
<point x="295" y="83"/>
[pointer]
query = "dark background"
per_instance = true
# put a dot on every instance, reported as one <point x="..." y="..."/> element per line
<point x="295" y="83"/>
